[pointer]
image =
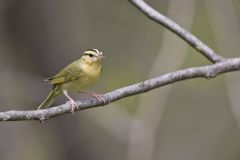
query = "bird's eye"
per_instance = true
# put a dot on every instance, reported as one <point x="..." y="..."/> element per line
<point x="90" y="55"/>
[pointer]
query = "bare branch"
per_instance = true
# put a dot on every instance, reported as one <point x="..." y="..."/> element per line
<point x="177" y="29"/>
<point x="209" y="71"/>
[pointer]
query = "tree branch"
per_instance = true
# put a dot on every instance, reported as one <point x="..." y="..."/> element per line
<point x="209" y="71"/>
<point x="223" y="65"/>
<point x="177" y="29"/>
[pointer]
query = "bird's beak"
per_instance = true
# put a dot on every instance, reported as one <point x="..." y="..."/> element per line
<point x="102" y="57"/>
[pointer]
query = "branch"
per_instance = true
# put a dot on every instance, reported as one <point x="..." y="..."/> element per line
<point x="209" y="71"/>
<point x="175" y="28"/>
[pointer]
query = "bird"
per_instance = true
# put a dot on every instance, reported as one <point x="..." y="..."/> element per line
<point x="75" y="77"/>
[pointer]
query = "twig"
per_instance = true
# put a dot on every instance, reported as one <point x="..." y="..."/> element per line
<point x="177" y="29"/>
<point x="209" y="71"/>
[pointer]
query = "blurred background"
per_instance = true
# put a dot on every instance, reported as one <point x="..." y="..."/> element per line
<point x="197" y="119"/>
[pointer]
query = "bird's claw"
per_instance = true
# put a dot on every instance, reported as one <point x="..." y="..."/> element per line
<point x="99" y="97"/>
<point x="73" y="105"/>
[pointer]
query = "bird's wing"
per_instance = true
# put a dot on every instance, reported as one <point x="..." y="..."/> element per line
<point x="69" y="73"/>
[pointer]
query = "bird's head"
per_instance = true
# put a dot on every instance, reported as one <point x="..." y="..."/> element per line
<point x="92" y="55"/>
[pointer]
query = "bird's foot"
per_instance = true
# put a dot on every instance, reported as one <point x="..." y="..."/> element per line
<point x="99" y="97"/>
<point x="73" y="105"/>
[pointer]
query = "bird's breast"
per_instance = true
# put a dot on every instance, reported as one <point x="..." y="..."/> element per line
<point x="89" y="75"/>
<point x="91" y="72"/>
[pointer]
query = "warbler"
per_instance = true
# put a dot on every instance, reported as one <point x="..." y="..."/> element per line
<point x="75" y="77"/>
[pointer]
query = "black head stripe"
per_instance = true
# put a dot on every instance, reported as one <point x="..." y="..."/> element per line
<point x="90" y="55"/>
<point x="93" y="50"/>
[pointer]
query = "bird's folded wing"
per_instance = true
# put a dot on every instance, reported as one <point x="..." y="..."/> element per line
<point x="69" y="73"/>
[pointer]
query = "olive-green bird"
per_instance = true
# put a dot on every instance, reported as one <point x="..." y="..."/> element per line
<point x="75" y="77"/>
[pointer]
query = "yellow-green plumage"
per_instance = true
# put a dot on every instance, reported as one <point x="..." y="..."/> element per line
<point x="76" y="76"/>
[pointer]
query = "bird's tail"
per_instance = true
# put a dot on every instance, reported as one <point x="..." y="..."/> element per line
<point x="50" y="98"/>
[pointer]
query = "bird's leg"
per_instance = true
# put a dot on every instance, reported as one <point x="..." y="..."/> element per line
<point x="97" y="96"/>
<point x="73" y="104"/>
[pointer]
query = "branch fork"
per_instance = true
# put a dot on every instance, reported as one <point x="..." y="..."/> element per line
<point x="220" y="65"/>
